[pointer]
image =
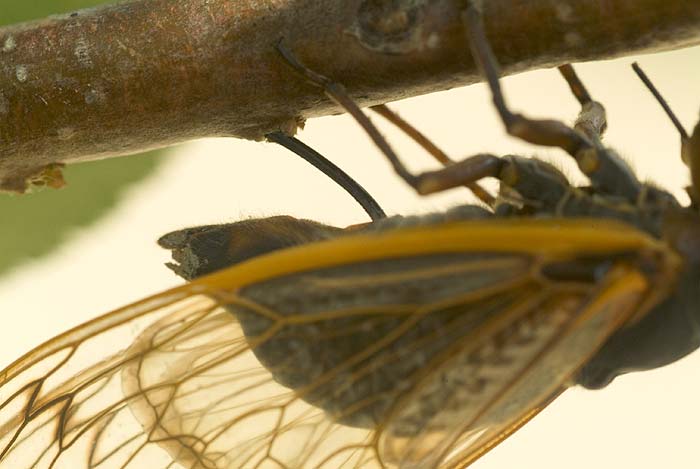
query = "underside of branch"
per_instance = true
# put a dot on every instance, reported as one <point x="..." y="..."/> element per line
<point x="144" y="74"/>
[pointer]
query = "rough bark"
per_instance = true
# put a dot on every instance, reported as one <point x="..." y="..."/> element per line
<point x="142" y="74"/>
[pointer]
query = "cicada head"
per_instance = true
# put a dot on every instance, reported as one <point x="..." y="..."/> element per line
<point x="669" y="331"/>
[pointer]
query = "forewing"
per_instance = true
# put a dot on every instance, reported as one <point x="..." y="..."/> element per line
<point x="391" y="361"/>
<point x="488" y="389"/>
<point x="55" y="401"/>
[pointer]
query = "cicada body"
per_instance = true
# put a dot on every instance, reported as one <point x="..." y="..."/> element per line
<point x="411" y="346"/>
<point x="407" y="342"/>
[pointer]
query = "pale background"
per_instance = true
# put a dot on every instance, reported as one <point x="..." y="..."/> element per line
<point x="647" y="420"/>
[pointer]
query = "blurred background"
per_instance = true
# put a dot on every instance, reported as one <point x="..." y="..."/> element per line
<point x="73" y="254"/>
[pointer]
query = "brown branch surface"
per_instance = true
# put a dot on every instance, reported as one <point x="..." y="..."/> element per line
<point x="123" y="78"/>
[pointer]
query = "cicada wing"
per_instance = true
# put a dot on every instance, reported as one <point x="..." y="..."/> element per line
<point x="206" y="400"/>
<point x="412" y="349"/>
<point x="56" y="400"/>
<point x="444" y="362"/>
<point x="491" y="388"/>
<point x="318" y="401"/>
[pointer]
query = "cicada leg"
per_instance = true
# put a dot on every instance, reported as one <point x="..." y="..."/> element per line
<point x="608" y="173"/>
<point x="536" y="181"/>
<point x="591" y="121"/>
<point x="513" y="171"/>
<point x="417" y="136"/>
<point x="340" y="177"/>
<point x="337" y="93"/>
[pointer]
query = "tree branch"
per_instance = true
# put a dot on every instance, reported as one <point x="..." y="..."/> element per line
<point x="123" y="78"/>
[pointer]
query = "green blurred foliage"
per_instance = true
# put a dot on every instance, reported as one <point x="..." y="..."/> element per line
<point x="16" y="11"/>
<point x="33" y="224"/>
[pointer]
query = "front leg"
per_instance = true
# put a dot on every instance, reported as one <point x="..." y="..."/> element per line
<point x="608" y="173"/>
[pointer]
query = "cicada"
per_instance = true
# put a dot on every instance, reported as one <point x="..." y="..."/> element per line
<point x="407" y="342"/>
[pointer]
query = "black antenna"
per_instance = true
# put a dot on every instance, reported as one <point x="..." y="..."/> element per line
<point x="647" y="82"/>
<point x="352" y="187"/>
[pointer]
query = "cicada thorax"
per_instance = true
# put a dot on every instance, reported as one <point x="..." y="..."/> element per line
<point x="668" y="331"/>
<point x="664" y="335"/>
